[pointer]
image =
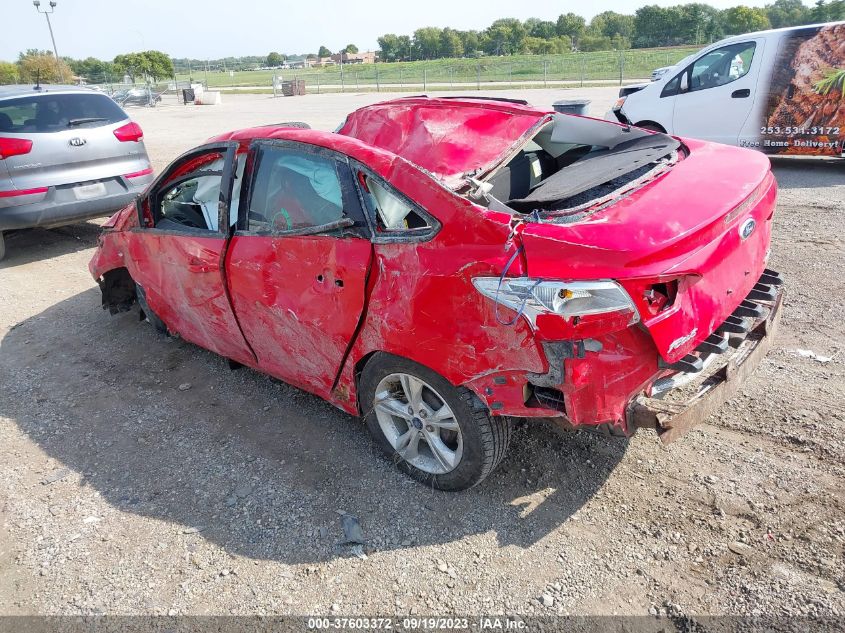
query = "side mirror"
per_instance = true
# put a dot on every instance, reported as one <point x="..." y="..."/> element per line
<point x="684" y="82"/>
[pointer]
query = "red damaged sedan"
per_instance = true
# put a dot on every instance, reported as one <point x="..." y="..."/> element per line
<point x="441" y="266"/>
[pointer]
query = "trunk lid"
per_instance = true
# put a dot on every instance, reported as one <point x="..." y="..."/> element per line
<point x="685" y="226"/>
<point x="451" y="139"/>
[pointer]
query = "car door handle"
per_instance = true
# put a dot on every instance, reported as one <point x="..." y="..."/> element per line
<point x="741" y="94"/>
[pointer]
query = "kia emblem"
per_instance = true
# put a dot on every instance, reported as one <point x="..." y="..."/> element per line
<point x="747" y="228"/>
<point x="77" y="141"/>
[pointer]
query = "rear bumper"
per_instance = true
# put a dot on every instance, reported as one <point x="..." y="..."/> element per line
<point x="671" y="420"/>
<point x="58" y="207"/>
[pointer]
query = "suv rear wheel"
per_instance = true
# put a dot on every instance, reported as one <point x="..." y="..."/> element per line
<point x="438" y="434"/>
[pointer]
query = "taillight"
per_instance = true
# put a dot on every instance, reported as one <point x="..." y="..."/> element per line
<point x="22" y="192"/>
<point x="129" y="132"/>
<point x="14" y="147"/>
<point x="138" y="174"/>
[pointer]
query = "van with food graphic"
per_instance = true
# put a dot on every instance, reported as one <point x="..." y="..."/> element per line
<point x="780" y="92"/>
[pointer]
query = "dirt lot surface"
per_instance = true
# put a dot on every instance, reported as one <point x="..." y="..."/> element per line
<point x="138" y="474"/>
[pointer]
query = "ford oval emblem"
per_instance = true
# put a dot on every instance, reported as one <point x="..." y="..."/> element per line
<point x="77" y="141"/>
<point x="747" y="228"/>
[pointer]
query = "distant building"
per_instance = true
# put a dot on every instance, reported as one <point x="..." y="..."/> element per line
<point x="368" y="57"/>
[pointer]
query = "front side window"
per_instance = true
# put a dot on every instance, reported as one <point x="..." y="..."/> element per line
<point x="294" y="190"/>
<point x="191" y="199"/>
<point x="721" y="66"/>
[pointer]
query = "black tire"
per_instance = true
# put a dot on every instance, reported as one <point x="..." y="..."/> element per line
<point x="485" y="437"/>
<point x="148" y="313"/>
<point x="2" y="246"/>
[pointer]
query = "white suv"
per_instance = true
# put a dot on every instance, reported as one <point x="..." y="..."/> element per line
<point x="66" y="154"/>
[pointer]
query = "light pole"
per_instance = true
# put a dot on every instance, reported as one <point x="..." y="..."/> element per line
<point x="46" y="12"/>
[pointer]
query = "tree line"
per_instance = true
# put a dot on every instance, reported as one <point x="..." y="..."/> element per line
<point x="650" y="26"/>
<point x="33" y="65"/>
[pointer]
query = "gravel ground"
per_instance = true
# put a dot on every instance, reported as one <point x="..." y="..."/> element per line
<point x="139" y="475"/>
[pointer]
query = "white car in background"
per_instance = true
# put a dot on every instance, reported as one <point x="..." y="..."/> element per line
<point x="775" y="91"/>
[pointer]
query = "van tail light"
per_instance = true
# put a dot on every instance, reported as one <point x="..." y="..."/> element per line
<point x="14" y="147"/>
<point x="129" y="132"/>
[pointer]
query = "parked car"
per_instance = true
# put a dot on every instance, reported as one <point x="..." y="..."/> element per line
<point x="136" y="97"/>
<point x="66" y="154"/>
<point x="777" y="91"/>
<point x="657" y="73"/>
<point x="442" y="266"/>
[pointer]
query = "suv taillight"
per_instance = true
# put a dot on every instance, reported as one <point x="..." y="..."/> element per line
<point x="129" y="132"/>
<point x="14" y="147"/>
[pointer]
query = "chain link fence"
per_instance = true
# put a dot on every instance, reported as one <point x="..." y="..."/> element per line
<point x="574" y="69"/>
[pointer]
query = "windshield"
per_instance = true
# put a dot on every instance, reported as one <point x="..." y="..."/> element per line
<point x="57" y="112"/>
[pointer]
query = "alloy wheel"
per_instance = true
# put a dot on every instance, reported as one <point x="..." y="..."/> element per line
<point x="418" y="423"/>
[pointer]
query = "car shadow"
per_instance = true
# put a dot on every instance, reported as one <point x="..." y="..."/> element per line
<point x="163" y="429"/>
<point x="29" y="245"/>
<point x="808" y="173"/>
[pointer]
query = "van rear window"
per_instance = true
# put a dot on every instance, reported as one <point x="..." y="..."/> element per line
<point x="58" y="112"/>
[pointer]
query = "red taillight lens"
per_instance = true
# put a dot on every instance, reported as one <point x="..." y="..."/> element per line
<point x="138" y="174"/>
<point x="22" y="192"/>
<point x="129" y="132"/>
<point x="14" y="147"/>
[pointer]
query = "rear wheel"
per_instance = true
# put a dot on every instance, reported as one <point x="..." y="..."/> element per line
<point x="440" y="435"/>
<point x="2" y="246"/>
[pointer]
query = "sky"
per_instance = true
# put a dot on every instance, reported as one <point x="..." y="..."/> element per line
<point x="219" y="28"/>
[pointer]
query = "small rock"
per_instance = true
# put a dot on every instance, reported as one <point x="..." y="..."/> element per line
<point x="335" y="607"/>
<point x="442" y="566"/>
<point x="194" y="529"/>
<point x="242" y="491"/>
<point x="184" y="386"/>
<point x="829" y="587"/>
<point x="739" y="548"/>
<point x="231" y="501"/>
<point x="547" y="600"/>
<point x="56" y="475"/>
<point x="352" y="532"/>
<point x="224" y="572"/>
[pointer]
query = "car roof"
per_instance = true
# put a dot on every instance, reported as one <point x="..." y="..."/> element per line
<point x="439" y="151"/>
<point x="745" y="36"/>
<point x="26" y="90"/>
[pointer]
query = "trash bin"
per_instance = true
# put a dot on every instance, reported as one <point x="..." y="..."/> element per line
<point x="188" y="95"/>
<point x="572" y="106"/>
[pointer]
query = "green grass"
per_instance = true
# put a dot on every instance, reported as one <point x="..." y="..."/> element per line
<point x="261" y="90"/>
<point x="586" y="67"/>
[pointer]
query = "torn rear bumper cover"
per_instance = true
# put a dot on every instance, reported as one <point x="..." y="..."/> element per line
<point x="673" y="420"/>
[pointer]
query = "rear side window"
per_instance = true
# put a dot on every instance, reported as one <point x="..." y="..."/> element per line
<point x="58" y="112"/>
<point x="394" y="214"/>
<point x="294" y="190"/>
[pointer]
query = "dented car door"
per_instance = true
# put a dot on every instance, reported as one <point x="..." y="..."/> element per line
<point x="298" y="263"/>
<point x="177" y="251"/>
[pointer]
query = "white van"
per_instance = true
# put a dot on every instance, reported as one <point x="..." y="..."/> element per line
<point x="778" y="91"/>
